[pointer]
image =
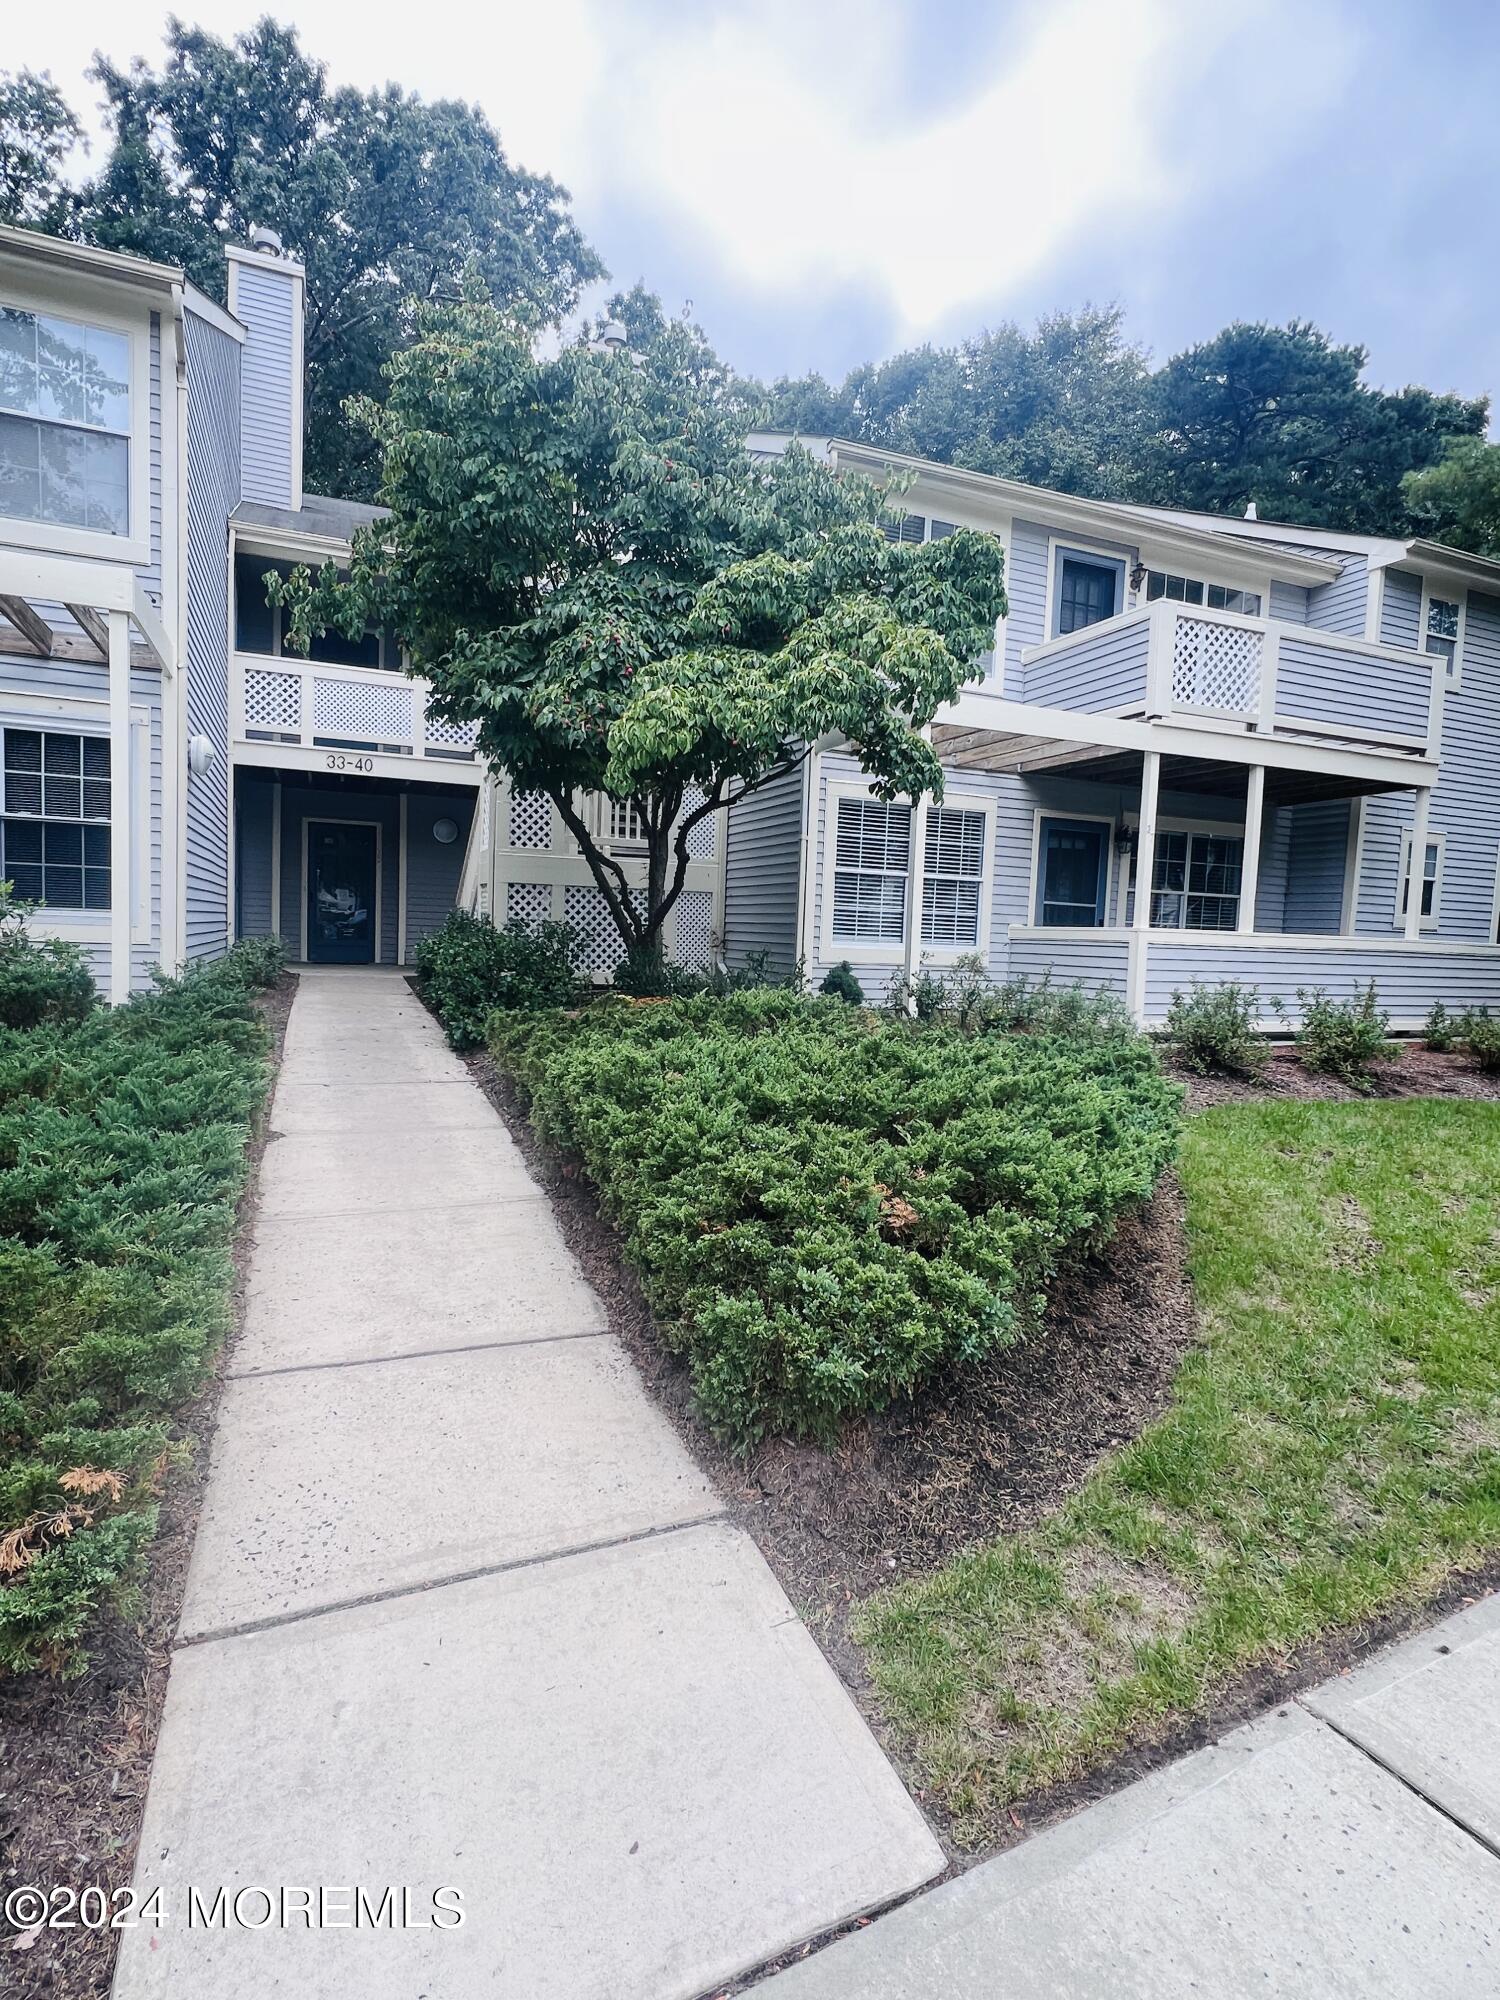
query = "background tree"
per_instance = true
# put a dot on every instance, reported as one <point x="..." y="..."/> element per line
<point x="385" y="198"/>
<point x="37" y="132"/>
<point x="582" y="557"/>
<point x="1458" y="500"/>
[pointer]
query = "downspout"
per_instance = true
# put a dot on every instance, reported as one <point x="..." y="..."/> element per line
<point x="174" y="745"/>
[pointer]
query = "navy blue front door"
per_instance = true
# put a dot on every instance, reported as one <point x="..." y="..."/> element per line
<point x="340" y="893"/>
<point x="1087" y="593"/>
<point x="1071" y="878"/>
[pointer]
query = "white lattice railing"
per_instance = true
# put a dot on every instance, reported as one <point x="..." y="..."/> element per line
<point x="1216" y="666"/>
<point x="303" y="702"/>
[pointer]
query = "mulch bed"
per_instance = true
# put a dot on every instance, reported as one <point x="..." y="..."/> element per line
<point x="1416" y="1072"/>
<point x="75" y="1756"/>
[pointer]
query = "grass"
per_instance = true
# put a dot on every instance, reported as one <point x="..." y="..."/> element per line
<point x="1332" y="1451"/>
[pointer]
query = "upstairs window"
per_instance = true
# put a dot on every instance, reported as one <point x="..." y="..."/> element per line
<point x="259" y="624"/>
<point x="54" y="818"/>
<point x="1088" y="590"/>
<point x="1192" y="590"/>
<point x="872" y="859"/>
<point x="64" y="422"/>
<point x="1432" y="882"/>
<point x="1440" y="632"/>
<point x="915" y="528"/>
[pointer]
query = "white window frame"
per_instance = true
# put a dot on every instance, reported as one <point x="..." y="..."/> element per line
<point x="67" y="298"/>
<point x="1437" y="838"/>
<point x="1171" y="823"/>
<point x="1205" y="584"/>
<point x="1453" y="676"/>
<point x="1059" y="547"/>
<point x="869" y="951"/>
<point x="960" y="802"/>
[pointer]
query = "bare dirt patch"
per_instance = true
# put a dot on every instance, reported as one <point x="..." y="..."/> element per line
<point x="1416" y="1072"/>
<point x="75" y="1756"/>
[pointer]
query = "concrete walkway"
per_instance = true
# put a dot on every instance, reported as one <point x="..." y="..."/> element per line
<point x="1344" y="1846"/>
<point x="464" y="1614"/>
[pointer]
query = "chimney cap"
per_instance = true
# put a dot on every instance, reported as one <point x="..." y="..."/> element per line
<point x="262" y="238"/>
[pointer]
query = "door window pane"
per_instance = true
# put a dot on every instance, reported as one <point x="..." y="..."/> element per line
<point x="1087" y="593"/>
<point x="1071" y="890"/>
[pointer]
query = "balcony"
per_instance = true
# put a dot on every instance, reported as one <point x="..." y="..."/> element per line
<point x="1182" y="664"/>
<point x="344" y="720"/>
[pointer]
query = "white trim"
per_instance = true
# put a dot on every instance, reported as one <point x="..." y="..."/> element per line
<point x="1374" y="602"/>
<point x="867" y="951"/>
<point x="1436" y="837"/>
<point x="979" y="802"/>
<point x="814" y="820"/>
<point x="1292" y="941"/>
<point x="201" y="306"/>
<point x="1455" y="677"/>
<point x="1061" y="545"/>
<point x="334" y="819"/>
<point x="263" y="260"/>
<point x="401" y="883"/>
<point x="121" y="809"/>
<point x="1038" y="814"/>
<point x="75" y="298"/>
<point x="1495" y="903"/>
<point x="298" y="382"/>
<point x="1354" y="861"/>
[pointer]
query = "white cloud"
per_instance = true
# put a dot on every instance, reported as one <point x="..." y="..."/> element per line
<point x="775" y="135"/>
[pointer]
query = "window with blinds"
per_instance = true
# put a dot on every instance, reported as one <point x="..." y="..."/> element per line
<point x="953" y="876"/>
<point x="54" y="818"/>
<point x="872" y="860"/>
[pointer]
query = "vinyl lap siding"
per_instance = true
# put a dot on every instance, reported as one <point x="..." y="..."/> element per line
<point x="264" y="301"/>
<point x="1406" y="982"/>
<point x="213" y="454"/>
<point x="1401" y="610"/>
<point x="1026" y="593"/>
<point x="1465" y="802"/>
<point x="1288" y="602"/>
<point x="1319" y="854"/>
<point x="1340" y="606"/>
<point x="1329" y="684"/>
<point x="1103" y="669"/>
<point x="762" y="873"/>
<point x="1099" y="965"/>
<point x="433" y="869"/>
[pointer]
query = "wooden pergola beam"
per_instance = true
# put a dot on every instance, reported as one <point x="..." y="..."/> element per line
<point x="89" y="621"/>
<point x="30" y="624"/>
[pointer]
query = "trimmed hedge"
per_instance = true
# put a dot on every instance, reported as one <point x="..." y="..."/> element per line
<point x="122" y="1154"/>
<point x="826" y="1208"/>
<point x="467" y="968"/>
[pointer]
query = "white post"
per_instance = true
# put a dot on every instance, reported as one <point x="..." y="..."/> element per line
<point x="1145" y="868"/>
<point x="1255" y="806"/>
<point x="276" y="859"/>
<point x="401" y="889"/>
<point x="918" y="877"/>
<point x="121" y="809"/>
<point x="1417" y="864"/>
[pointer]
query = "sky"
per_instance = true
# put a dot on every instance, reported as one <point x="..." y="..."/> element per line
<point x="828" y="182"/>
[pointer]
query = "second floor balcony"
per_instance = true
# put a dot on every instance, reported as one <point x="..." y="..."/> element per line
<point x="343" y="719"/>
<point x="1224" y="671"/>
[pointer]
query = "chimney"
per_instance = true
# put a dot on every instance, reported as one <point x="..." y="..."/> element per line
<point x="266" y="295"/>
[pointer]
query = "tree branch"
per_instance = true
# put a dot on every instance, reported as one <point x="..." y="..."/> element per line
<point x="617" y="893"/>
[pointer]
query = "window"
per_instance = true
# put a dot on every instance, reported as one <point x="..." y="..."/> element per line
<point x="915" y="528"/>
<point x="258" y="623"/>
<point x="1432" y="882"/>
<point x="64" y="422"/>
<point x="872" y="857"/>
<point x="1088" y="590"/>
<point x="54" y="818"/>
<point x="1191" y="590"/>
<point x="953" y="876"/>
<point x="1195" y="881"/>
<point x="1070" y="876"/>
<point x="625" y="822"/>
<point x="1440" y="632"/>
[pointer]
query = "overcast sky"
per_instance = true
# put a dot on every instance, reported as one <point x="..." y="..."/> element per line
<point x="830" y="182"/>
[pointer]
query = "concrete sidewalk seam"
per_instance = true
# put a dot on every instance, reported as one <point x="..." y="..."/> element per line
<point x="252" y="1625"/>
<point x="438" y="1207"/>
<point x="1391" y="1770"/>
<point x="413" y="1354"/>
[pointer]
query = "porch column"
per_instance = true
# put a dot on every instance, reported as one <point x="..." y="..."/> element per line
<point x="1145" y="869"/>
<point x="1255" y="806"/>
<point x="121" y="808"/>
<point x="918" y="877"/>
<point x="1418" y="864"/>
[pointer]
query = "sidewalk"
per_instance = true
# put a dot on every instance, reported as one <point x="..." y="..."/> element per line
<point x="1344" y="1846"/>
<point x="463" y="1613"/>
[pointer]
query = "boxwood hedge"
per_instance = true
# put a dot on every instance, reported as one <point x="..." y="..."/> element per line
<point x="825" y="1207"/>
<point x="122" y="1152"/>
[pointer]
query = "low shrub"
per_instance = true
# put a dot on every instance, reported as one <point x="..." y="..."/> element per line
<point x="1479" y="1037"/>
<point x="966" y="997"/>
<point x="1212" y="1031"/>
<point x="840" y="983"/>
<point x="467" y="969"/>
<point x="827" y="1208"/>
<point x="1441" y="1030"/>
<point x="1343" y="1038"/>
<point x="41" y="979"/>
<point x="122" y="1153"/>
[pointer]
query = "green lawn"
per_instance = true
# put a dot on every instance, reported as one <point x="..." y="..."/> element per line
<point x="1333" y="1449"/>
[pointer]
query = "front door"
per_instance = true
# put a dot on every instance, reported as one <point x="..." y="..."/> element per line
<point x="340" y="893"/>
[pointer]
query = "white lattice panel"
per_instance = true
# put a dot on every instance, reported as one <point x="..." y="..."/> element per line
<point x="530" y="821"/>
<point x="695" y="929"/>
<point x="527" y="902"/>
<point x="586" y="910"/>
<point x="484" y="816"/>
<point x="442" y="735"/>
<point x="273" y="700"/>
<point x="1216" y="666"/>
<point x="703" y="836"/>
<point x="361" y="711"/>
